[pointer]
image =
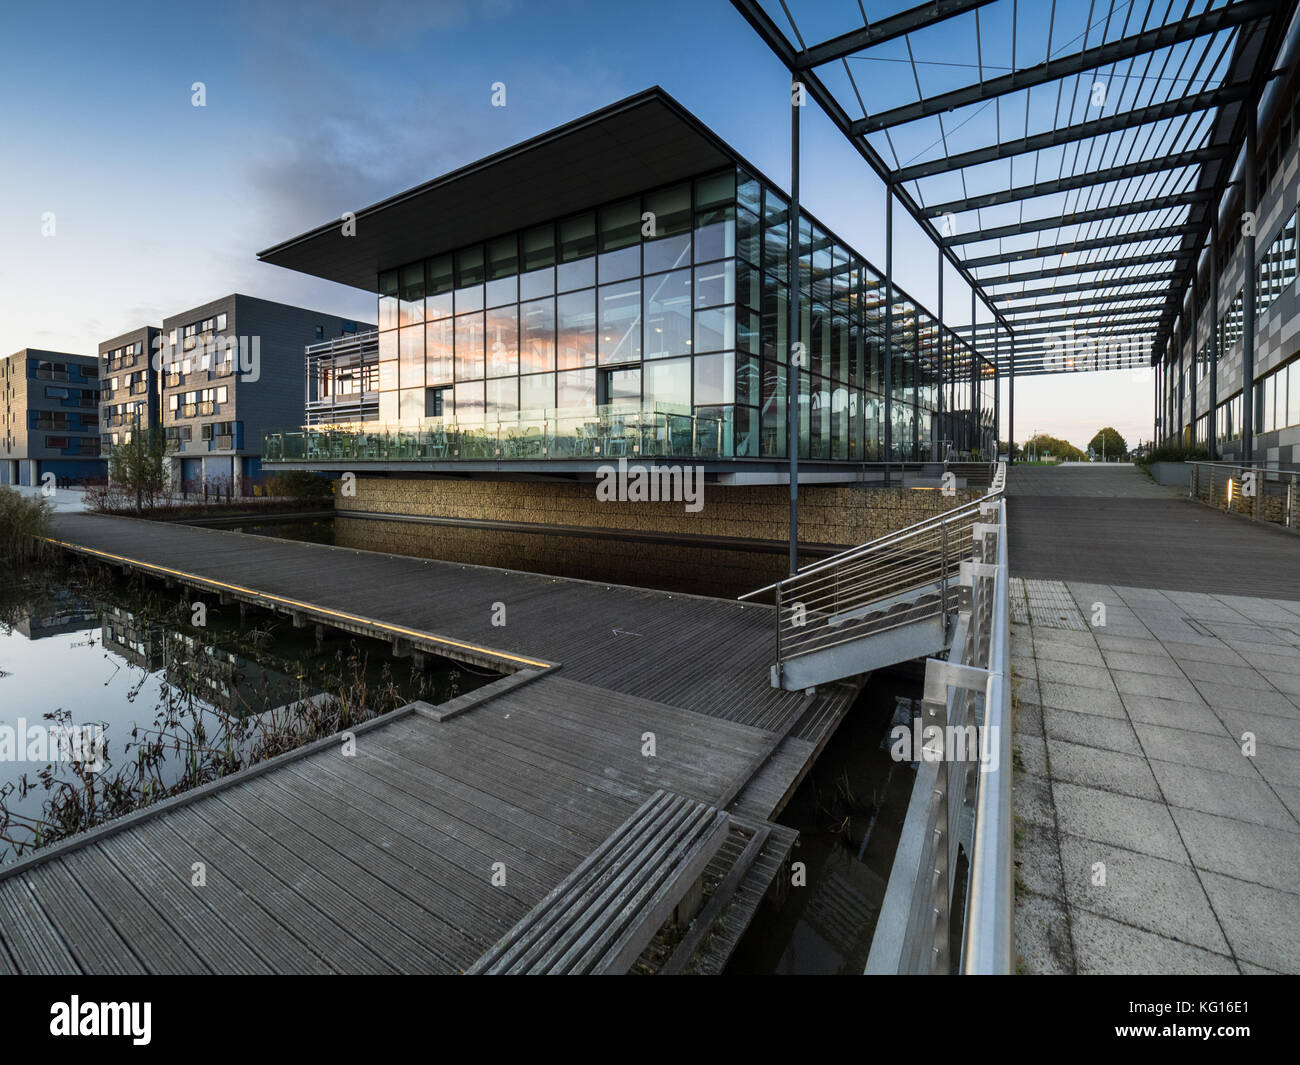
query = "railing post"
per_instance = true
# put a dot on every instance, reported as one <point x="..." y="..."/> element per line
<point x="943" y="571"/>
<point x="1259" y="491"/>
<point x="778" y="630"/>
<point x="1290" y="503"/>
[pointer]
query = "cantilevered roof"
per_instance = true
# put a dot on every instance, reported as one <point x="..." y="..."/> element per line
<point x="645" y="140"/>
<point x="1068" y="157"/>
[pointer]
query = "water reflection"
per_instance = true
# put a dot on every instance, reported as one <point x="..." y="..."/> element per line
<point x="849" y="813"/>
<point x="178" y="704"/>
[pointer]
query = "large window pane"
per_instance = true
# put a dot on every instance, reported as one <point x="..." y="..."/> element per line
<point x="575" y="389"/>
<point x="537" y="392"/>
<point x="387" y="300"/>
<point x="668" y="314"/>
<point x="469" y="279"/>
<point x="667" y="384"/>
<point x="537" y="336"/>
<point x="715" y="234"/>
<point x="411" y="293"/>
<point x="439" y="340"/>
<point x="503" y="341"/>
<point x="469" y="348"/>
<point x="469" y="403"/>
<point x="715" y="377"/>
<point x="410" y="358"/>
<point x="715" y="329"/>
<point x="439" y="285"/>
<point x="502" y="399"/>
<point x="502" y="271"/>
<point x="715" y="284"/>
<point x="410" y="409"/>
<point x="576" y="329"/>
<point x="620" y="322"/>
<point x="620" y="225"/>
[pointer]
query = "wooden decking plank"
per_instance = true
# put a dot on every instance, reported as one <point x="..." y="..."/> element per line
<point x="410" y="935"/>
<point x="538" y="824"/>
<point x="135" y="916"/>
<point x="465" y="901"/>
<point x="183" y="906"/>
<point x="240" y="911"/>
<point x="342" y="951"/>
<point x="93" y="938"/>
<point x="32" y="939"/>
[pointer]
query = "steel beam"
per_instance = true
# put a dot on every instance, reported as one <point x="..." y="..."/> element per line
<point x="1115" y="240"/>
<point x="1187" y="29"/>
<point x="1086" y="286"/>
<point x="1078" y="218"/>
<point x="884" y="29"/>
<point x="1183" y="105"/>
<point x="1192" y="157"/>
<point x="793" y="360"/>
<point x="1090" y="268"/>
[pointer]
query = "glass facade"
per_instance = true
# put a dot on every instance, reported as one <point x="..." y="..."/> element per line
<point x="672" y="308"/>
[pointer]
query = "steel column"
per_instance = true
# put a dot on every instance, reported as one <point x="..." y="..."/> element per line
<point x="1214" y="335"/>
<point x="792" y="360"/>
<point x="1250" y="206"/>
<point x="889" y="326"/>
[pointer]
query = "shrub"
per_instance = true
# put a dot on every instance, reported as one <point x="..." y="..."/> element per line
<point x="22" y="520"/>
<point x="301" y="486"/>
<point x="1175" y="451"/>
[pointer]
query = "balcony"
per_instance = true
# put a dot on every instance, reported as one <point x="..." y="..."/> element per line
<point x="52" y="375"/>
<point x="223" y="443"/>
<point x="140" y="388"/>
<point x="544" y="436"/>
<point x="173" y="380"/>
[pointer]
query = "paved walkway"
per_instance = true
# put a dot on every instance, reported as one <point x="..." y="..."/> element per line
<point x="1147" y="841"/>
<point x="1114" y="525"/>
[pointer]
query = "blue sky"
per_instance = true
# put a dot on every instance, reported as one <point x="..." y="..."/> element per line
<point x="313" y="109"/>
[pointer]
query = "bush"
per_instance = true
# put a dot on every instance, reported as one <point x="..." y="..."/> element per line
<point x="22" y="520"/>
<point x="1175" y="451"/>
<point x="302" y="486"/>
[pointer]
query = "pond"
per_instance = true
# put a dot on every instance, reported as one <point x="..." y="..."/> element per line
<point x="849" y="813"/>
<point x="163" y="703"/>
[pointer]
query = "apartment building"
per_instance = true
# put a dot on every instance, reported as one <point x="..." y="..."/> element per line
<point x="129" y="396"/>
<point x="49" y="418"/>
<point x="230" y="370"/>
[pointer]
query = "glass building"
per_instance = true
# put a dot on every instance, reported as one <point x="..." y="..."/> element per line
<point x="654" y="322"/>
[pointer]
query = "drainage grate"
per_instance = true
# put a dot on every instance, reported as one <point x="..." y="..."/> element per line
<point x="1052" y="607"/>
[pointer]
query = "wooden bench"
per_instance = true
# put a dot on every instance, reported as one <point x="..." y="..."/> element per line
<point x="603" y="914"/>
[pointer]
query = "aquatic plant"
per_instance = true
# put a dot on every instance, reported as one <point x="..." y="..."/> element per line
<point x="24" y="520"/>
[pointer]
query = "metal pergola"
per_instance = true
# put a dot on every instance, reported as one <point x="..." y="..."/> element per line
<point x="1068" y="158"/>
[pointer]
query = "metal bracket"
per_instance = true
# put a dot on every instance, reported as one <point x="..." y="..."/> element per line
<point x="940" y="676"/>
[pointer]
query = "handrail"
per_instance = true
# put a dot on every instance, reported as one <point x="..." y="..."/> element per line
<point x="970" y="687"/>
<point x="898" y="534"/>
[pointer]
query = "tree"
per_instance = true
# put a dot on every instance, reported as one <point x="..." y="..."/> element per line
<point x="1063" y="450"/>
<point x="1108" y="444"/>
<point x="139" y="464"/>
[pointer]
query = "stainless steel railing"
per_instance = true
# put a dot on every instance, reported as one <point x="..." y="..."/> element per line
<point x="961" y="799"/>
<point x="1263" y="491"/>
<point x="906" y="575"/>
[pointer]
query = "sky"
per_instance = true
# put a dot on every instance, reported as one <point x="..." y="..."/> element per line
<point x="121" y="202"/>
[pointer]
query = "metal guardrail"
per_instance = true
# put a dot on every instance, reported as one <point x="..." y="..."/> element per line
<point x="961" y="800"/>
<point x="1263" y="491"/>
<point x="825" y="605"/>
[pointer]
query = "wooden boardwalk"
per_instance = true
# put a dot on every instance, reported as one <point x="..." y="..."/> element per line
<point x="422" y="850"/>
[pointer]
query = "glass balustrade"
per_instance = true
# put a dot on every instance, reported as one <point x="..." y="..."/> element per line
<point x="549" y="435"/>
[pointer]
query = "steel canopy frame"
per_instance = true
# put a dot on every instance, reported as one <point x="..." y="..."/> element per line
<point x="1192" y="72"/>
